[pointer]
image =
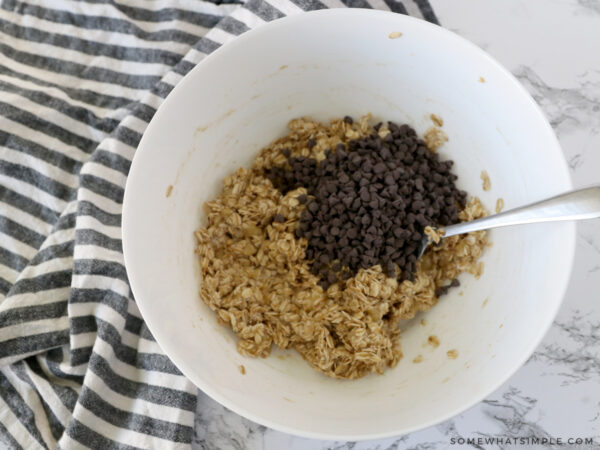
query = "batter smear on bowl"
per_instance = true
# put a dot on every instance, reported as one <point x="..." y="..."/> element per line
<point x="314" y="247"/>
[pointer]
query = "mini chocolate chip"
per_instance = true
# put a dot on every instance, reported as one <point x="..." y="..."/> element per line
<point x="370" y="200"/>
<point x="379" y="168"/>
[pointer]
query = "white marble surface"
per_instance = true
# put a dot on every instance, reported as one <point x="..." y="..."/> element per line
<point x="553" y="47"/>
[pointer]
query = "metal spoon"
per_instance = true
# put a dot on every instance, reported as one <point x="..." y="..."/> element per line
<point x="575" y="205"/>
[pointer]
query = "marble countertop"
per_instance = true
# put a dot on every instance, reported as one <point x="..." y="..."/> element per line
<point x="553" y="47"/>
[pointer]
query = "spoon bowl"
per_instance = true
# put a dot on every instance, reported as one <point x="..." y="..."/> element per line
<point x="580" y="204"/>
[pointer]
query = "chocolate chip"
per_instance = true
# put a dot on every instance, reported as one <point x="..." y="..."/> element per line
<point x="369" y="201"/>
<point x="379" y="168"/>
<point x="348" y="120"/>
<point x="279" y="218"/>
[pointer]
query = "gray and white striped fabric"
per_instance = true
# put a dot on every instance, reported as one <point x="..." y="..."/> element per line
<point x="79" y="82"/>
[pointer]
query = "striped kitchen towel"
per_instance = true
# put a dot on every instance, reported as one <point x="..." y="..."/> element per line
<point x="79" y="82"/>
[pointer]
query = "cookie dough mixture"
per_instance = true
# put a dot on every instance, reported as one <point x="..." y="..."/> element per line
<point x="283" y="264"/>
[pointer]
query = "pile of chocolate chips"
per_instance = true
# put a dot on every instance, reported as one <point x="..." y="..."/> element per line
<point x="369" y="201"/>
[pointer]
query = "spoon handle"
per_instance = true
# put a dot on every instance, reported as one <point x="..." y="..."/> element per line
<point x="575" y="205"/>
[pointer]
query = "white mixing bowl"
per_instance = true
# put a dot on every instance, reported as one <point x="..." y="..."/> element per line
<point x="328" y="64"/>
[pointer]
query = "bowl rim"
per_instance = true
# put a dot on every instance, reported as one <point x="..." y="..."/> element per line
<point x="189" y="372"/>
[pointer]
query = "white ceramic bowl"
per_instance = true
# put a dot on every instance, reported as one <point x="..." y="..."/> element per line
<point x="328" y="64"/>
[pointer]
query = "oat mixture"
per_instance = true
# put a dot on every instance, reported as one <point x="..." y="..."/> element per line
<point x="434" y="341"/>
<point x="486" y="183"/>
<point x="437" y="120"/>
<point x="256" y="277"/>
<point x="452" y="354"/>
<point x="499" y="205"/>
<point x="435" y="138"/>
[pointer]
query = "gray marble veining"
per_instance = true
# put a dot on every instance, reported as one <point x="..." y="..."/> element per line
<point x="556" y="394"/>
<point x="590" y="5"/>
<point x="575" y="358"/>
<point x="567" y="109"/>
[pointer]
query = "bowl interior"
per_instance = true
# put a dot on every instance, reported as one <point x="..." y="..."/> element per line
<point x="325" y="65"/>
